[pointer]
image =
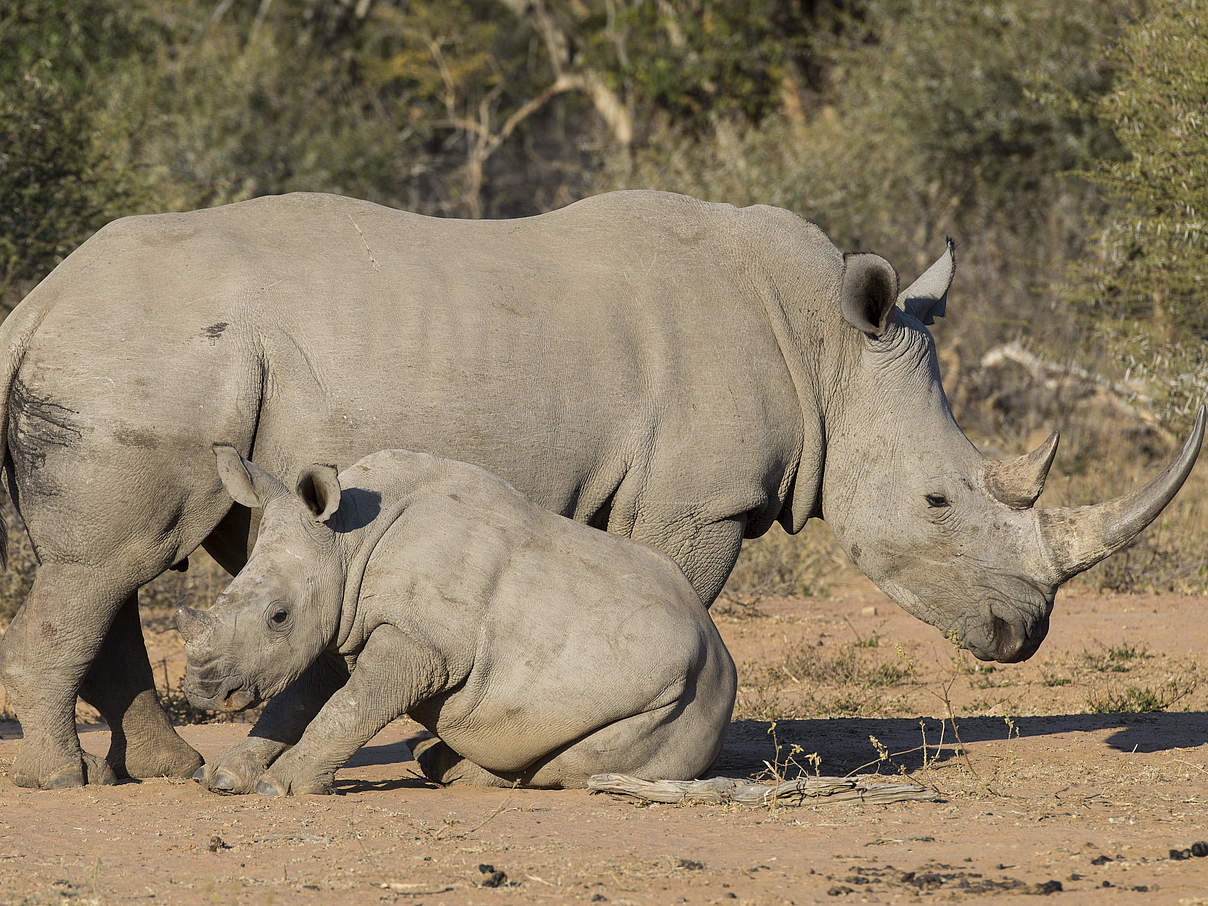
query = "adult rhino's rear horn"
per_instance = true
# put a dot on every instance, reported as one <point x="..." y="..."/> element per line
<point x="1018" y="482"/>
<point x="1079" y="537"/>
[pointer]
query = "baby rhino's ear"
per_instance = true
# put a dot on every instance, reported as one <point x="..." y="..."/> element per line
<point x="319" y="488"/>
<point x="245" y="481"/>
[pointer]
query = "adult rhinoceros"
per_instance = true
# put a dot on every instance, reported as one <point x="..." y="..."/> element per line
<point x="679" y="372"/>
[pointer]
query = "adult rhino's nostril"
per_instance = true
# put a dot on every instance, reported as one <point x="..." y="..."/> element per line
<point x="1012" y="641"/>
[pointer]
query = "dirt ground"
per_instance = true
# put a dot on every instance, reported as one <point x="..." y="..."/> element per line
<point x="1055" y="792"/>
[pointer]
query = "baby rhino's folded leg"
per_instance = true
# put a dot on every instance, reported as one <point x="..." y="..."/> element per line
<point x="391" y="676"/>
<point x="442" y="765"/>
<point x="281" y="724"/>
<point x="676" y="735"/>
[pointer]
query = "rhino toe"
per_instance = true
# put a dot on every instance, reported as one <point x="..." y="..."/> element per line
<point x="65" y="779"/>
<point x="266" y="786"/>
<point x="98" y="771"/>
<point x="224" y="781"/>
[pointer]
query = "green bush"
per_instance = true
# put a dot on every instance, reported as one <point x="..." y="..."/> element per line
<point x="1143" y="288"/>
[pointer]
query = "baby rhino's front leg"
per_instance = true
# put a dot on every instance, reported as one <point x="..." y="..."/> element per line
<point x="390" y="677"/>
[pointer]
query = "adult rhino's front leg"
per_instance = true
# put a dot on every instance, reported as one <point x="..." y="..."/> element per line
<point x="390" y="677"/>
<point x="706" y="553"/>
<point x="281" y="724"/>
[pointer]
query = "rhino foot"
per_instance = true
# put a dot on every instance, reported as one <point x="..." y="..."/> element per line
<point x="169" y="757"/>
<point x="98" y="771"/>
<point x="236" y="770"/>
<point x="441" y="764"/>
<point x="295" y="773"/>
<point x="273" y="786"/>
<point x="86" y="769"/>
<point x="268" y="787"/>
<point x="223" y="780"/>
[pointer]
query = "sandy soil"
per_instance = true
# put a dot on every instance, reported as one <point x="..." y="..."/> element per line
<point x="1046" y="797"/>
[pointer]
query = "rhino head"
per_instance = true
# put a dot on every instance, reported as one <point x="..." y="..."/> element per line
<point x="953" y="537"/>
<point x="283" y="609"/>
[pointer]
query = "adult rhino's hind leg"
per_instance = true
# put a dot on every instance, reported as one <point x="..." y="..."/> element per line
<point x="143" y="742"/>
<point x="105" y="518"/>
<point x="44" y="656"/>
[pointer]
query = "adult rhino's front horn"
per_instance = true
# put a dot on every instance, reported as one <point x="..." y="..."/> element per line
<point x="1076" y="538"/>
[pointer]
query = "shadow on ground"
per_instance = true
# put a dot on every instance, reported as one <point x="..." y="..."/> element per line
<point x="843" y="743"/>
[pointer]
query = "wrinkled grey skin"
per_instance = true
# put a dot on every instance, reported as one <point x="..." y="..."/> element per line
<point x="537" y="649"/>
<point x="677" y="372"/>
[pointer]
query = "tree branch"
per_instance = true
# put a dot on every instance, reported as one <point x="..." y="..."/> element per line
<point x="608" y="104"/>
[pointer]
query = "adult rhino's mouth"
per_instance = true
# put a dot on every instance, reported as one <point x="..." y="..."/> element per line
<point x="1006" y="639"/>
<point x="1006" y="626"/>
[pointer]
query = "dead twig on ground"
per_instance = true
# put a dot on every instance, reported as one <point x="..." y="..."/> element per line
<point x="727" y="790"/>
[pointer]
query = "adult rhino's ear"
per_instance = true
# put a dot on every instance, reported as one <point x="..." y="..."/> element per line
<point x="927" y="297"/>
<point x="245" y="481"/>
<point x="870" y="285"/>
<point x="319" y="488"/>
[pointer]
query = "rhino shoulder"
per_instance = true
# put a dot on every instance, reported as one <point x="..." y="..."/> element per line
<point x="784" y="232"/>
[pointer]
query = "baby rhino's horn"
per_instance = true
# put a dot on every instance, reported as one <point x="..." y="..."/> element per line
<point x="192" y="624"/>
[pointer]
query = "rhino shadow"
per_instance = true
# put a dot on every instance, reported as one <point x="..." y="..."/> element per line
<point x="358" y="508"/>
<point x="844" y="745"/>
<point x="396" y="753"/>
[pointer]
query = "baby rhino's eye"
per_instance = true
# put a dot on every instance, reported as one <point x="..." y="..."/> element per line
<point x="279" y="616"/>
<point x="937" y="500"/>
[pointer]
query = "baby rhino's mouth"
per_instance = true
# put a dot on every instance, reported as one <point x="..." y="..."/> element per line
<point x="238" y="699"/>
<point x="227" y="694"/>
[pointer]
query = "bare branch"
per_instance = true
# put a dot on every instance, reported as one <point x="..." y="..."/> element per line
<point x="1054" y="375"/>
<point x="721" y="790"/>
<point x="608" y="104"/>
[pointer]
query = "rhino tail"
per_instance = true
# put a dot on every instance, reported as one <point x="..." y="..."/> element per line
<point x="16" y="331"/>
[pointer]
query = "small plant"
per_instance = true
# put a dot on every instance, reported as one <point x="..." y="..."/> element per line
<point x="850" y="665"/>
<point x="784" y="765"/>
<point x="1141" y="699"/>
<point x="1114" y="658"/>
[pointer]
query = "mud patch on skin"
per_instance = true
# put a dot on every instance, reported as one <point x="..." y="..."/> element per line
<point x="136" y="437"/>
<point x="214" y="331"/>
<point x="43" y="420"/>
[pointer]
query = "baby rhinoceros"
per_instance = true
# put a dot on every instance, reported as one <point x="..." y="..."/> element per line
<point x="537" y="649"/>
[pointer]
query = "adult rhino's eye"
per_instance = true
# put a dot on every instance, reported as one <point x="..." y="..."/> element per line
<point x="937" y="500"/>
<point x="279" y="616"/>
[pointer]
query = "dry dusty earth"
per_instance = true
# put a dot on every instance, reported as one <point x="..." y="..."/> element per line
<point x="1048" y="798"/>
